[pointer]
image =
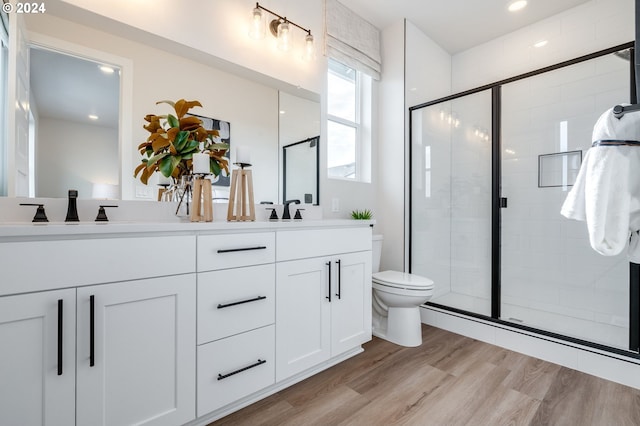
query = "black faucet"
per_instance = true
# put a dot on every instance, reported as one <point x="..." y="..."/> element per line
<point x="72" y="209"/>
<point x="286" y="214"/>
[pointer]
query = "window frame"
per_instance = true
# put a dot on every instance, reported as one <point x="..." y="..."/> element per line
<point x="356" y="124"/>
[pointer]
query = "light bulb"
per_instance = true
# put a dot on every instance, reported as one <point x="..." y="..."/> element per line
<point x="517" y="5"/>
<point x="309" y="49"/>
<point x="257" y="29"/>
<point x="284" y="36"/>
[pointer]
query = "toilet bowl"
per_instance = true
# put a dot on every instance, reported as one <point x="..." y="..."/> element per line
<point x="396" y="299"/>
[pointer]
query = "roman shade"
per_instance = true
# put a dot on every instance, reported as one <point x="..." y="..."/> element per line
<point x="351" y="40"/>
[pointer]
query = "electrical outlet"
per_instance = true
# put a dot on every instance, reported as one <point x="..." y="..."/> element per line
<point x="335" y="205"/>
<point x="144" y="192"/>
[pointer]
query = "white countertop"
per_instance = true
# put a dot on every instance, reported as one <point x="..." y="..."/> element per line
<point x="12" y="231"/>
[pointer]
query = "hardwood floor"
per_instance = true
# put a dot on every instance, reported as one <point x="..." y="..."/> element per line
<point x="449" y="380"/>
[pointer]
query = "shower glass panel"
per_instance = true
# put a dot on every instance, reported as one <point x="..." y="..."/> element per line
<point x="451" y="200"/>
<point x="551" y="279"/>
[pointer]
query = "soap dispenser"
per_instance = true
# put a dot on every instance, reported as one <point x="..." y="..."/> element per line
<point x="72" y="209"/>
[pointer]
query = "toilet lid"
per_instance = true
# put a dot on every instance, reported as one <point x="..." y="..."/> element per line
<point x="402" y="279"/>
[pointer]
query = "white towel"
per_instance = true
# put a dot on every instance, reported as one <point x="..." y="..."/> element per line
<point x="607" y="190"/>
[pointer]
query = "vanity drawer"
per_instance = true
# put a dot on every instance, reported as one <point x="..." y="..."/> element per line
<point x="232" y="368"/>
<point x="232" y="301"/>
<point x="300" y="244"/>
<point x="44" y="265"/>
<point x="235" y="250"/>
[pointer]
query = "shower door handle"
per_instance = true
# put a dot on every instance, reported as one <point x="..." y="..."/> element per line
<point x="503" y="202"/>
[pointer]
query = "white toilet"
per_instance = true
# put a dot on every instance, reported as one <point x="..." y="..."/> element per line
<point x="396" y="300"/>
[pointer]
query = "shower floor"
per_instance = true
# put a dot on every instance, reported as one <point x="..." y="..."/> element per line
<point x="593" y="331"/>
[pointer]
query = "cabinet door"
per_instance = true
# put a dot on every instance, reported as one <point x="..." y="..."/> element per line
<point x="139" y="366"/>
<point x="351" y="302"/>
<point x="302" y="315"/>
<point x="37" y="358"/>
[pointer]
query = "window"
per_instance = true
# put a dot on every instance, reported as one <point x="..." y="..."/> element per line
<point x="348" y="117"/>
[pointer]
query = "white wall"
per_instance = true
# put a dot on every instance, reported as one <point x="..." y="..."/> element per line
<point x="250" y="107"/>
<point x="63" y="153"/>
<point x="593" y="26"/>
<point x="415" y="70"/>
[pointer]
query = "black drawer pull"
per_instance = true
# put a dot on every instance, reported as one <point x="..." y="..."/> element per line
<point x="60" y="337"/>
<point x="224" y="376"/>
<point x="329" y="282"/>
<point x="92" y="331"/>
<point x="242" y="249"/>
<point x="220" y="306"/>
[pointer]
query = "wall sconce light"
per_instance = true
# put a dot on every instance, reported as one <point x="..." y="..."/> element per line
<point x="280" y="27"/>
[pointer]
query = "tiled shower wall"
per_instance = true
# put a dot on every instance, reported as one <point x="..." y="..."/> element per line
<point x="549" y="271"/>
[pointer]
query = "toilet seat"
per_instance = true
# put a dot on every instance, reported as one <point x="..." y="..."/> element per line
<point x="402" y="280"/>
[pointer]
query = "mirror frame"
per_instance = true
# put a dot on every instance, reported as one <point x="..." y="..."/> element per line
<point x="125" y="141"/>
<point x="284" y="169"/>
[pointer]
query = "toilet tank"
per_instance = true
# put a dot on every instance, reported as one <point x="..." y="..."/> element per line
<point x="376" y="253"/>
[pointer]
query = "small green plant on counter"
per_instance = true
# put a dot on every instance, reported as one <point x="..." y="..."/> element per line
<point x="362" y="214"/>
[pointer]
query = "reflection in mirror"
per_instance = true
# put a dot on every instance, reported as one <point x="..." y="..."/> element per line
<point x="299" y="127"/>
<point x="301" y="164"/>
<point x="74" y="129"/>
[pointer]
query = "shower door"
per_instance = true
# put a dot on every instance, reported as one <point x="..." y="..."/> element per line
<point x="551" y="279"/>
<point x="490" y="169"/>
<point x="451" y="200"/>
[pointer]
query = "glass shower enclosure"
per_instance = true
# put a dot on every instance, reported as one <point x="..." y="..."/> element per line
<point x="490" y="169"/>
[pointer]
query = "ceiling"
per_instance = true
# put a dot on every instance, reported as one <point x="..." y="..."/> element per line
<point x="458" y="25"/>
<point x="70" y="88"/>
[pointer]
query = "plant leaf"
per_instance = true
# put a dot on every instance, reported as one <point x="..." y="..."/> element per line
<point x="139" y="168"/>
<point x="168" y="164"/>
<point x="214" y="167"/>
<point x="182" y="107"/>
<point x="159" y="142"/>
<point x="173" y="121"/>
<point x="190" y="123"/>
<point x="181" y="140"/>
<point x="153" y="160"/>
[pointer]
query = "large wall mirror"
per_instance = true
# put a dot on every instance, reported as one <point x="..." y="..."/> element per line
<point x="75" y="109"/>
<point x="97" y="157"/>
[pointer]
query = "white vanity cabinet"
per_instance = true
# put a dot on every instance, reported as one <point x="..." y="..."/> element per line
<point x="236" y="313"/>
<point x="136" y="352"/>
<point x="128" y="346"/>
<point x="324" y="299"/>
<point x="37" y="358"/>
<point x="181" y="324"/>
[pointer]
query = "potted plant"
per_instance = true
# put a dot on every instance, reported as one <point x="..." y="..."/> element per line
<point x="361" y="214"/>
<point x="173" y="140"/>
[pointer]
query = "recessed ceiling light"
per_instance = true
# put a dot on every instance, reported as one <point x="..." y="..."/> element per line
<point x="514" y="6"/>
<point x="106" y="69"/>
<point x="540" y="43"/>
<point x="282" y="111"/>
<point x="93" y="117"/>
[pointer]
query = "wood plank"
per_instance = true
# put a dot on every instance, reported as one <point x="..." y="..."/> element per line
<point x="448" y="380"/>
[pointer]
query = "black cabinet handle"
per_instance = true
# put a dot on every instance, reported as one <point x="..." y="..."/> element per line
<point x="60" y="340"/>
<point x="255" y="299"/>
<point x="92" y="327"/>
<point x="224" y="376"/>
<point x="242" y="249"/>
<point x="329" y="280"/>
<point x="339" y="279"/>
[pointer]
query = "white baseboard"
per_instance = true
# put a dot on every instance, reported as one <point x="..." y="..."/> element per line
<point x="609" y="366"/>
